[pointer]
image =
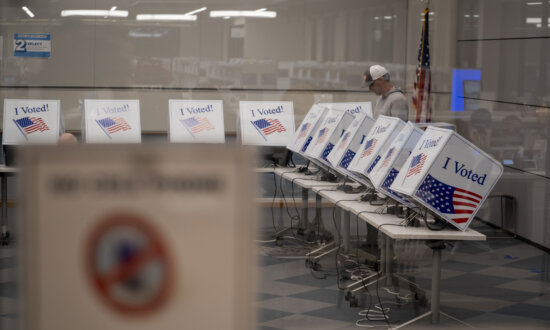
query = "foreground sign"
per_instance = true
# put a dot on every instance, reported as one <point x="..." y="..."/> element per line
<point x="115" y="237"/>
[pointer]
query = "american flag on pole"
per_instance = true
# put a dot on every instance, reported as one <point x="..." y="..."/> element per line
<point x="268" y="126"/>
<point x="197" y="124"/>
<point x="322" y="136"/>
<point x="388" y="157"/>
<point x="111" y="125"/>
<point x="422" y="85"/>
<point x="344" y="141"/>
<point x="28" y="125"/>
<point x="303" y="130"/>
<point x="456" y="203"/>
<point x="369" y="147"/>
<point x="416" y="164"/>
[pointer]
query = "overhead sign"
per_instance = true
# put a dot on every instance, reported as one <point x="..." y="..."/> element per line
<point x="377" y="141"/>
<point x="112" y="121"/>
<point x="354" y="108"/>
<point x="385" y="171"/>
<point x="134" y="217"/>
<point x="448" y="175"/>
<point x="31" y="121"/>
<point x="303" y="136"/>
<point x="196" y="121"/>
<point x="268" y="123"/>
<point x="32" y="45"/>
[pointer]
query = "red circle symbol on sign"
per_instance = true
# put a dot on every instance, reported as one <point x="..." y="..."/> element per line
<point x="129" y="265"/>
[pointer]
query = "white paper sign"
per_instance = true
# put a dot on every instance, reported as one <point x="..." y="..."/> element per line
<point x="330" y="131"/>
<point x="448" y="175"/>
<point x="303" y="136"/>
<point x="31" y="121"/>
<point x="267" y="123"/>
<point x="196" y="121"/>
<point x="385" y="129"/>
<point x="112" y="121"/>
<point x="354" y="108"/>
<point x="385" y="171"/>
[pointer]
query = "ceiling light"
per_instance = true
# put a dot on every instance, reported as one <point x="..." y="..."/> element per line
<point x="95" y="12"/>
<point x="196" y="11"/>
<point x="28" y="11"/>
<point x="165" y="17"/>
<point x="243" y="13"/>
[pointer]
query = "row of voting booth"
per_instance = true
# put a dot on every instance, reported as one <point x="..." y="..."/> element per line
<point x="29" y="121"/>
<point x="415" y="165"/>
<point x="434" y="168"/>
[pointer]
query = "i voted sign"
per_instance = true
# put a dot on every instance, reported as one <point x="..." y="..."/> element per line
<point x="377" y="141"/>
<point x="448" y="175"/>
<point x="384" y="173"/>
<point x="31" y="121"/>
<point x="196" y="121"/>
<point x="268" y="123"/>
<point x="304" y="134"/>
<point x="354" y="108"/>
<point x="112" y="121"/>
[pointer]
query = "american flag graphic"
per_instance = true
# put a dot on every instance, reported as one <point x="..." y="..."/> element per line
<point x="416" y="164"/>
<point x="388" y="157"/>
<point x="348" y="157"/>
<point x="458" y="204"/>
<point x="268" y="126"/>
<point x="28" y="125"/>
<point x="322" y="136"/>
<point x="388" y="182"/>
<point x="304" y="148"/>
<point x="197" y="124"/>
<point x="327" y="151"/>
<point x="374" y="163"/>
<point x="111" y="125"/>
<point x="343" y="144"/>
<point x="303" y="130"/>
<point x="369" y="147"/>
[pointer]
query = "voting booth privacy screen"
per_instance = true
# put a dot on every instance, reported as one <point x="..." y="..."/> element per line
<point x="112" y="121"/>
<point x="305" y="132"/>
<point x="448" y="175"/>
<point x="354" y="108"/>
<point x="377" y="141"/>
<point x="385" y="171"/>
<point x="31" y="122"/>
<point x="133" y="237"/>
<point x="328" y="134"/>
<point x="196" y="121"/>
<point x="266" y="123"/>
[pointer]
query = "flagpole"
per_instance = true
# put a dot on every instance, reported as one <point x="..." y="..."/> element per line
<point x="262" y="134"/>
<point x="20" y="130"/>
<point x="103" y="128"/>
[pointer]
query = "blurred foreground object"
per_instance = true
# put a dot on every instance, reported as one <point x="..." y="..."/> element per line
<point x="137" y="237"/>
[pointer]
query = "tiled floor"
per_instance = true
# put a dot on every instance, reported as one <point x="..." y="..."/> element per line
<point x="502" y="283"/>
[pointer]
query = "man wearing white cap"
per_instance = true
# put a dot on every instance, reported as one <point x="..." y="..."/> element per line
<point x="392" y="100"/>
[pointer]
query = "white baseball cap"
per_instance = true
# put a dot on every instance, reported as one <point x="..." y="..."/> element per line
<point x="373" y="72"/>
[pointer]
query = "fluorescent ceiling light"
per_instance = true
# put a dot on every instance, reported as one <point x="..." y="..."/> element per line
<point x="166" y="17"/>
<point x="533" y="20"/>
<point x="196" y="11"/>
<point x="28" y="11"/>
<point x="95" y="12"/>
<point x="243" y="13"/>
<point x="387" y="17"/>
<point x="261" y="9"/>
<point x="534" y="3"/>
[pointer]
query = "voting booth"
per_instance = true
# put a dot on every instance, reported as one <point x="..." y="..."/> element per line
<point x="347" y="146"/>
<point x="112" y="121"/>
<point x="333" y="127"/>
<point x="124" y="237"/>
<point x="354" y="108"/>
<point x="448" y="175"/>
<point x="377" y="141"/>
<point x="266" y="123"/>
<point x="31" y="122"/>
<point x="303" y="136"/>
<point x="385" y="171"/>
<point x="196" y="121"/>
